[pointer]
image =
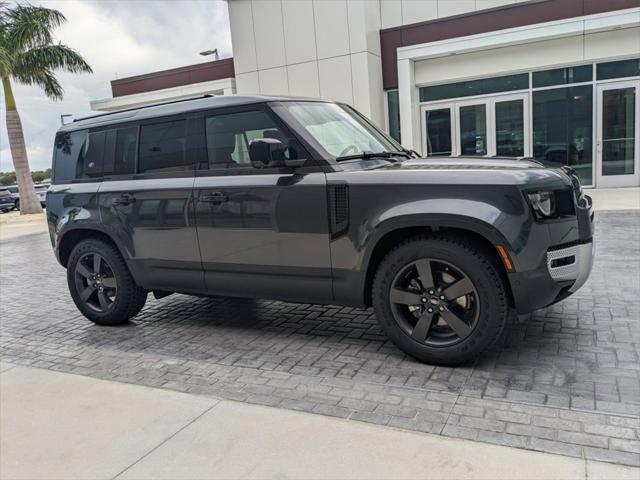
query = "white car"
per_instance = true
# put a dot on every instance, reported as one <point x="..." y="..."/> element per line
<point x="41" y="192"/>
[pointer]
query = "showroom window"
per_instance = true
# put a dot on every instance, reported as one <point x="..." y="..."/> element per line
<point x="563" y="128"/>
<point x="470" y="88"/>
<point x="561" y="76"/>
<point x="393" y="112"/>
<point x="619" y="69"/>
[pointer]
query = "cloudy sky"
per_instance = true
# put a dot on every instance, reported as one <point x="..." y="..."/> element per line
<point x="118" y="38"/>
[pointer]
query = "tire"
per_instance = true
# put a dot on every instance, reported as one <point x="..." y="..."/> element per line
<point x="111" y="298"/>
<point x="442" y="328"/>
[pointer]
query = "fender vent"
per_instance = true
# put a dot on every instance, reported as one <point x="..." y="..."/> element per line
<point x="338" y="209"/>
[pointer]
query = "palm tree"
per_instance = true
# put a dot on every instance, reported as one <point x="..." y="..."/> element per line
<point x="29" y="56"/>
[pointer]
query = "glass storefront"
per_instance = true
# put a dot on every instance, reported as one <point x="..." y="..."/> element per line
<point x="559" y="116"/>
<point x="563" y="128"/>
<point x="618" y="131"/>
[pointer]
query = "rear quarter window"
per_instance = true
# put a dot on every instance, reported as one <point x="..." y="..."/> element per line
<point x="68" y="155"/>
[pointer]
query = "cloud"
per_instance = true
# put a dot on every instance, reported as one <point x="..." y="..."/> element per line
<point x="118" y="38"/>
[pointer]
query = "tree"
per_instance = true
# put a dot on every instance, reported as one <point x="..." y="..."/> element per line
<point x="29" y="56"/>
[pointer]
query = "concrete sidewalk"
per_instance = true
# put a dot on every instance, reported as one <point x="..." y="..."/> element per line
<point x="56" y="425"/>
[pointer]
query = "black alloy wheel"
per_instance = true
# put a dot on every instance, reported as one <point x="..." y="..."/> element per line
<point x="96" y="282"/>
<point x="441" y="298"/>
<point x="434" y="302"/>
<point x="101" y="284"/>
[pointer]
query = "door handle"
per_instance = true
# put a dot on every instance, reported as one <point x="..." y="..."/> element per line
<point x="124" y="199"/>
<point x="214" y="197"/>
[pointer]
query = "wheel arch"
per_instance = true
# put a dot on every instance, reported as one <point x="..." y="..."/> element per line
<point x="70" y="238"/>
<point x="480" y="233"/>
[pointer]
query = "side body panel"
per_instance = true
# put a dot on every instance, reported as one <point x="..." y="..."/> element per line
<point x="266" y="235"/>
<point x="153" y="222"/>
<point x="72" y="206"/>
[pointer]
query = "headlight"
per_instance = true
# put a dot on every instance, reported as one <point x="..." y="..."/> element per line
<point x="543" y="204"/>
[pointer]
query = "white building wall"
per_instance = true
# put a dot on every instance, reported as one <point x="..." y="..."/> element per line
<point x="318" y="48"/>
<point x="403" y="12"/>
<point x="532" y="56"/>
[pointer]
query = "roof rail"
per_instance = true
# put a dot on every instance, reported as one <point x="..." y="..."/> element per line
<point x="206" y="95"/>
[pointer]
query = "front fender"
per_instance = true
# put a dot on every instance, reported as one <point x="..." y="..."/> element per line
<point x="487" y="221"/>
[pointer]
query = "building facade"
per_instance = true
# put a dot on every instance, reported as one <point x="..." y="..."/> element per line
<point x="558" y="80"/>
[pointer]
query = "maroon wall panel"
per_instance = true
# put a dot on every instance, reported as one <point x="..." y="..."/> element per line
<point x="176" y="77"/>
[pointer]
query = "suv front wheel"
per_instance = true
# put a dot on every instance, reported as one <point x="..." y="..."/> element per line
<point x="100" y="284"/>
<point x="440" y="299"/>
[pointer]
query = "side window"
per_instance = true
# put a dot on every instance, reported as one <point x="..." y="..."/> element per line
<point x="69" y="149"/>
<point x="124" y="159"/>
<point x="91" y="158"/>
<point x="229" y="136"/>
<point x="162" y="147"/>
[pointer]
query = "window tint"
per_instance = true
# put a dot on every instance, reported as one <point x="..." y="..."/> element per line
<point x="90" y="162"/>
<point x="162" y="147"/>
<point x="69" y="147"/>
<point x="124" y="159"/>
<point x="229" y="136"/>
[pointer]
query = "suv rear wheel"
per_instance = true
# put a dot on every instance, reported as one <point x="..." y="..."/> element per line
<point x="100" y="284"/>
<point x="440" y="299"/>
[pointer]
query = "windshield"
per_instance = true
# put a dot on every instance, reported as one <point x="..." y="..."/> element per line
<point x="339" y="130"/>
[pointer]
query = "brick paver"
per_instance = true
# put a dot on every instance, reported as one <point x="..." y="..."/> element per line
<point x="566" y="380"/>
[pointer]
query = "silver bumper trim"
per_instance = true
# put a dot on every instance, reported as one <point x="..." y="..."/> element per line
<point x="576" y="263"/>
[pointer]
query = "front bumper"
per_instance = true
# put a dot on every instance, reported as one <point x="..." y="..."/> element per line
<point x="572" y="263"/>
<point x="564" y="271"/>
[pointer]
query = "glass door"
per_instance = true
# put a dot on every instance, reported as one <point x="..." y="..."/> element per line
<point x="472" y="125"/>
<point x="618" y="127"/>
<point x="510" y="126"/>
<point x="481" y="127"/>
<point x="438" y="133"/>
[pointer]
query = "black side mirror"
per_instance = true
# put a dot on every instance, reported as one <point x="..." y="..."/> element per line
<point x="266" y="152"/>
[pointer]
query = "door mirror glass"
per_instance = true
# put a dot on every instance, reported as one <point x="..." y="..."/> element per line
<point x="266" y="152"/>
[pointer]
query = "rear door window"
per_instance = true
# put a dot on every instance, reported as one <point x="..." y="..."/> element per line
<point x="162" y="147"/>
<point x="121" y="148"/>
<point x="90" y="164"/>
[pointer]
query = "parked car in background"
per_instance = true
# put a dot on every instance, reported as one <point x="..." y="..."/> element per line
<point x="307" y="201"/>
<point x="41" y="192"/>
<point x="6" y="200"/>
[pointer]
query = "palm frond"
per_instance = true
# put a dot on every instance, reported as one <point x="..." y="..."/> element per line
<point x="30" y="26"/>
<point x="51" y="57"/>
<point x="45" y="79"/>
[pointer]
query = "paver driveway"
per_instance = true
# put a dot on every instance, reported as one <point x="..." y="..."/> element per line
<point x="567" y="380"/>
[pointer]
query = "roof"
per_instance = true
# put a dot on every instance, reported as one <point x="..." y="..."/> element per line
<point x="173" y="108"/>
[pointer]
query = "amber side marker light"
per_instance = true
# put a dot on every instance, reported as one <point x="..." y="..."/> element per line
<point x="505" y="258"/>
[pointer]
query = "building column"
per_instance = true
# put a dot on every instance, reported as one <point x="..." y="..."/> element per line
<point x="409" y="105"/>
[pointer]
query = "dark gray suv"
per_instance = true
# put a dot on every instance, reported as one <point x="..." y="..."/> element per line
<point x="306" y="201"/>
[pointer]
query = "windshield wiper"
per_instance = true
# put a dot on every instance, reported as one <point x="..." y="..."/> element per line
<point x="411" y="153"/>
<point x="374" y="155"/>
